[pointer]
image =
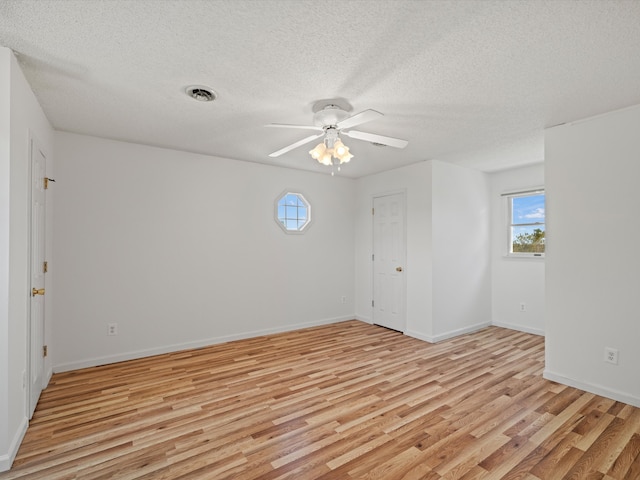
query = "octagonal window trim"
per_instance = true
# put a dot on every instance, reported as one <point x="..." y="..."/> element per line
<point x="292" y="212"/>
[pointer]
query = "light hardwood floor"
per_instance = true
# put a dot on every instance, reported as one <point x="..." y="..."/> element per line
<point x="343" y="401"/>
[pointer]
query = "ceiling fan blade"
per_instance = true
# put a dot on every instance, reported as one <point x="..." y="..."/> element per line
<point x="296" y="145"/>
<point x="359" y="118"/>
<point x="286" y="125"/>
<point x="372" y="137"/>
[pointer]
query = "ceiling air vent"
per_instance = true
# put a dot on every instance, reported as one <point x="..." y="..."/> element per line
<point x="200" y="93"/>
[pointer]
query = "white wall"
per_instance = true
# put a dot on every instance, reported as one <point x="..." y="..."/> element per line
<point x="514" y="280"/>
<point x="461" y="246"/>
<point x="182" y="250"/>
<point x="447" y="270"/>
<point x="21" y="120"/>
<point x="5" y="191"/>
<point x="592" y="263"/>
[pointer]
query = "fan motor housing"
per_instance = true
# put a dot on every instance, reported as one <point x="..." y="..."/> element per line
<point x="329" y="115"/>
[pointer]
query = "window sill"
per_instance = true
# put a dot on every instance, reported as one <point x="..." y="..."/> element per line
<point x="530" y="256"/>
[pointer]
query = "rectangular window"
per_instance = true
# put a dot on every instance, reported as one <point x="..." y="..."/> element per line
<point x="526" y="223"/>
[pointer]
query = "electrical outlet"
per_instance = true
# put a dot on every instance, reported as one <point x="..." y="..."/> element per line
<point x="523" y="307"/>
<point x="611" y="355"/>
<point x="112" y="329"/>
<point x="343" y="299"/>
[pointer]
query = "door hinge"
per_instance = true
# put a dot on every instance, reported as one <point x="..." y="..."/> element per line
<point x="44" y="350"/>
<point x="373" y="256"/>
<point x="45" y="267"/>
<point x="46" y="182"/>
<point x="373" y="211"/>
<point x="372" y="303"/>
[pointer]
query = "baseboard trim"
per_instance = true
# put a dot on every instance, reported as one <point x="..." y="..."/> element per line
<point x="6" y="460"/>
<point x="363" y="319"/>
<point x="447" y="335"/>
<point x="419" y="336"/>
<point x="592" y="388"/>
<point x="520" y="328"/>
<point x="47" y="378"/>
<point x="122" y="357"/>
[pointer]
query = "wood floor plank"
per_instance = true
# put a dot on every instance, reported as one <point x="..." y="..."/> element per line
<point x="338" y="402"/>
<point x="626" y="457"/>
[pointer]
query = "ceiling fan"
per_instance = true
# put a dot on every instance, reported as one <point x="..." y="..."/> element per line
<point x="332" y="121"/>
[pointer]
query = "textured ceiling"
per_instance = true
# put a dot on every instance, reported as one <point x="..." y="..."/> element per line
<point x="471" y="82"/>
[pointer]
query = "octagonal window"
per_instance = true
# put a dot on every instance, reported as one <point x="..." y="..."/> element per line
<point x="293" y="212"/>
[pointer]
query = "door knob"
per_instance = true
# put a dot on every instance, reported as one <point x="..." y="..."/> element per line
<point x="398" y="269"/>
<point x="37" y="291"/>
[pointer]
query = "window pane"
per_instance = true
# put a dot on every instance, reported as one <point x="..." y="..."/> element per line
<point x="302" y="212"/>
<point x="528" y="239"/>
<point x="291" y="212"/>
<point x="528" y="209"/>
<point x="291" y="224"/>
<point x="291" y="199"/>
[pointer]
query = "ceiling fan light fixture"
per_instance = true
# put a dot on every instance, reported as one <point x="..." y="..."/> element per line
<point x="325" y="155"/>
<point x="326" y="158"/>
<point x="340" y="148"/>
<point x="318" y="151"/>
<point x="341" y="152"/>
<point x="345" y="158"/>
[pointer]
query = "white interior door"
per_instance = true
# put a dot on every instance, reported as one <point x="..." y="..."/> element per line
<point x="389" y="261"/>
<point x="36" y="324"/>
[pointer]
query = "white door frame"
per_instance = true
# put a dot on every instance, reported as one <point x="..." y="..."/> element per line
<point x="402" y="192"/>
